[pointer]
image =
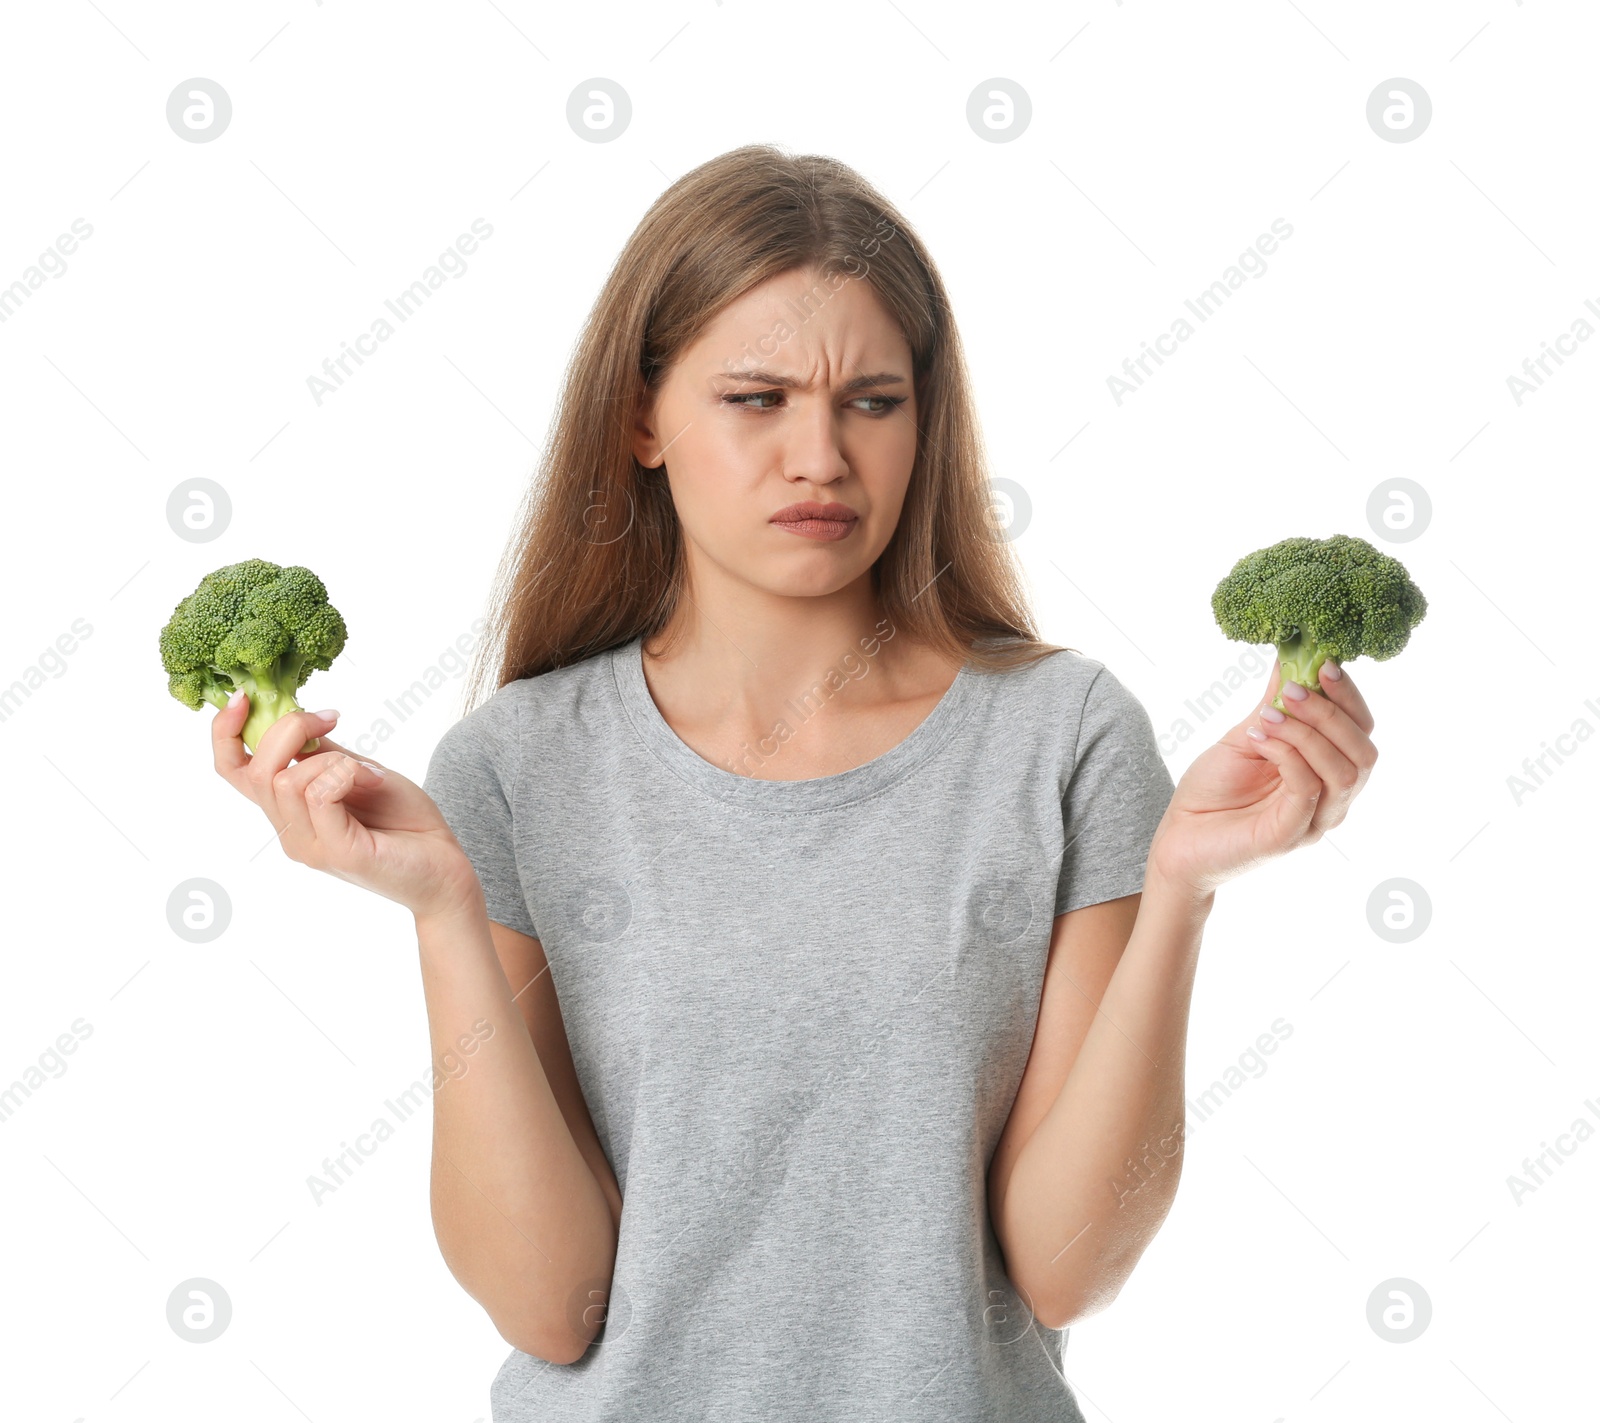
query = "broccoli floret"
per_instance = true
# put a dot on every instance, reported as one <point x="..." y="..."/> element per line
<point x="1337" y="597"/>
<point x="256" y="627"/>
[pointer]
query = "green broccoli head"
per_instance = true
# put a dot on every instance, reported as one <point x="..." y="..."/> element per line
<point x="255" y="627"/>
<point x="1314" y="599"/>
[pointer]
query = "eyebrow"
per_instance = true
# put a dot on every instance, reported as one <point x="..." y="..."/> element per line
<point x="790" y="383"/>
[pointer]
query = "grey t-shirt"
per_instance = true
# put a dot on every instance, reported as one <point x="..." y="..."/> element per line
<point x="799" y="1012"/>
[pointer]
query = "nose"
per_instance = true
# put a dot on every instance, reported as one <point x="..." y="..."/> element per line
<point x="812" y="450"/>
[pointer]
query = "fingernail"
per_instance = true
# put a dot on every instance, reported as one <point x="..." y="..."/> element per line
<point x="1333" y="670"/>
<point x="1295" y="692"/>
<point x="1271" y="714"/>
<point x="376" y="770"/>
<point x="1255" y="733"/>
<point x="235" y="699"/>
<point x="327" y="715"/>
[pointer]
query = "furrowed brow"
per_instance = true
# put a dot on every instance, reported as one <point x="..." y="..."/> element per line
<point x="860" y="382"/>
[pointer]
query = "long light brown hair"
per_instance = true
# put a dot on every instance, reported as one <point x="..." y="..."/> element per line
<point x="596" y="558"/>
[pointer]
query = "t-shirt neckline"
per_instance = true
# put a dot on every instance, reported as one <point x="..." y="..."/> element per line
<point x="822" y="792"/>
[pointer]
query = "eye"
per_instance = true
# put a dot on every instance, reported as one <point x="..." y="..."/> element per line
<point x="886" y="403"/>
<point x="889" y="403"/>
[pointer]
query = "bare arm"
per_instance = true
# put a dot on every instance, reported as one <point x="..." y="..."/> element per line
<point x="525" y="1217"/>
<point x="1088" y="1164"/>
<point x="525" y="1205"/>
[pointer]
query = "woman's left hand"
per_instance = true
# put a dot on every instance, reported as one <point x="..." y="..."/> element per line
<point x="1245" y="801"/>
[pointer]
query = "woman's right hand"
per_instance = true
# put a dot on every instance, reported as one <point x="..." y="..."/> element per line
<point x="338" y="813"/>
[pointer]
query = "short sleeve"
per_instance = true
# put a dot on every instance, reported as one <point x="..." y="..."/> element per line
<point x="472" y="778"/>
<point x="1117" y="791"/>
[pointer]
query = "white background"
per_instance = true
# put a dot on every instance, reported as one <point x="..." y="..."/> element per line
<point x="1164" y="140"/>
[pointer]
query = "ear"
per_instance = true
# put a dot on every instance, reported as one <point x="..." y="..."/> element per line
<point x="646" y="447"/>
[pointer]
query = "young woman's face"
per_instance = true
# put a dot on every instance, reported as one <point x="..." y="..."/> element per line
<point x="799" y="392"/>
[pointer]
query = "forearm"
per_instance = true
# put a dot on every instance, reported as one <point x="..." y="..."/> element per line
<point x="1092" y="1184"/>
<point x="520" y="1219"/>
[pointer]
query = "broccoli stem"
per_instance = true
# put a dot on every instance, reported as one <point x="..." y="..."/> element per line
<point x="267" y="705"/>
<point x="271" y="691"/>
<point x="1301" y="659"/>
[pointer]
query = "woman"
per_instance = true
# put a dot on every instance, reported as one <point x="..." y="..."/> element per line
<point x="825" y="940"/>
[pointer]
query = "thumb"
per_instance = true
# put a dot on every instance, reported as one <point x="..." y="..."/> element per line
<point x="231" y="716"/>
<point x="227" y="749"/>
<point x="1274" y="693"/>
